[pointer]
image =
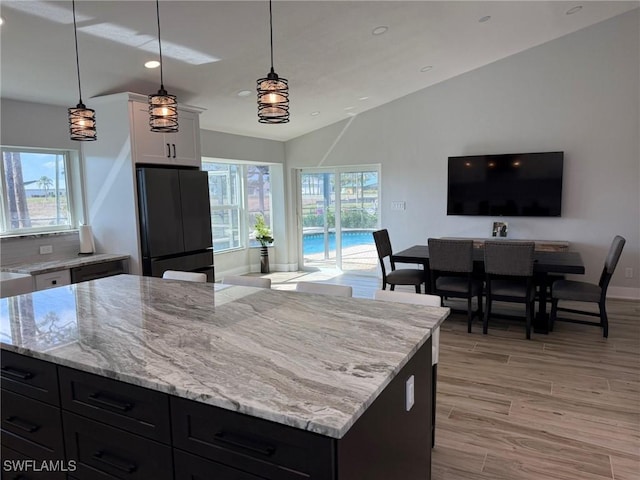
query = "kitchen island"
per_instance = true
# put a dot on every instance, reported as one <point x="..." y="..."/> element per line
<point x="152" y="378"/>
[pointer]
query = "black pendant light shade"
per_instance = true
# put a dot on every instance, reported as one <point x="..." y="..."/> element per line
<point x="163" y="108"/>
<point x="82" y="120"/>
<point x="273" y="91"/>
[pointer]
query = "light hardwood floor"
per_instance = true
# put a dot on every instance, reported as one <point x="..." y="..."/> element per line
<point x="561" y="406"/>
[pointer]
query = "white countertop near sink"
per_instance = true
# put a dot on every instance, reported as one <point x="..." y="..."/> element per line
<point x="12" y="283"/>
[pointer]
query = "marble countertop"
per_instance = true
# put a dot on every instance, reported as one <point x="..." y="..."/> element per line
<point x="313" y="362"/>
<point x="53" y="264"/>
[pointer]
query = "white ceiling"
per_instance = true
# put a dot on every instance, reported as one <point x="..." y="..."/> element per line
<point x="325" y="49"/>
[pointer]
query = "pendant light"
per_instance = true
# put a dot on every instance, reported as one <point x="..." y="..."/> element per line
<point x="273" y="91"/>
<point x="163" y="108"/>
<point x="82" y="120"/>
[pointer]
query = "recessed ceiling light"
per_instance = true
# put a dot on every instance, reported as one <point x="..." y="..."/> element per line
<point x="315" y="114"/>
<point x="152" y="64"/>
<point x="426" y="68"/>
<point x="575" y="9"/>
<point x="380" y="30"/>
<point x="348" y="108"/>
<point x="1" y="20"/>
<point x="362" y="99"/>
<point x="485" y="19"/>
<point x="352" y="114"/>
<point x="244" y="93"/>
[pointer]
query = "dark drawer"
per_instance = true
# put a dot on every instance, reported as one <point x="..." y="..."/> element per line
<point x="191" y="467"/>
<point x="17" y="466"/>
<point x="106" y="452"/>
<point x="97" y="270"/>
<point x="250" y="444"/>
<point x="30" y="376"/>
<point x="122" y="405"/>
<point x="31" y="427"/>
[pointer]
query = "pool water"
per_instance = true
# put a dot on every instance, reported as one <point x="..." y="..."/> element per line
<point x="314" y="242"/>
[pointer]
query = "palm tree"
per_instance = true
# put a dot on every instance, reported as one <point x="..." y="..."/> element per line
<point x="45" y="183"/>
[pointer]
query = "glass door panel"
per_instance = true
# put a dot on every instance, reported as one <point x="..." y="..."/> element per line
<point x="318" y="208"/>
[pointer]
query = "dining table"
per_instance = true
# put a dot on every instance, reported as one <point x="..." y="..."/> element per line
<point x="546" y="265"/>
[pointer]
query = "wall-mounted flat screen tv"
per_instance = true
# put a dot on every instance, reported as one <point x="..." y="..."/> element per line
<point x="520" y="184"/>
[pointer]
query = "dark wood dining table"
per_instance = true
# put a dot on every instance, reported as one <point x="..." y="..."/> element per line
<point x="545" y="265"/>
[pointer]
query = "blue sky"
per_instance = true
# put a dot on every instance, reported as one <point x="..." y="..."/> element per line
<point x="36" y="165"/>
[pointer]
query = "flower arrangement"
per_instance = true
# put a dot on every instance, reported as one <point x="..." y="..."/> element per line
<point x="262" y="232"/>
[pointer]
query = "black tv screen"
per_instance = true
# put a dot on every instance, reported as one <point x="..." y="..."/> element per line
<point x="520" y="184"/>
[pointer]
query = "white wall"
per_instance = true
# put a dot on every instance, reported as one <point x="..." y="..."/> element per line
<point x="237" y="147"/>
<point x="579" y="94"/>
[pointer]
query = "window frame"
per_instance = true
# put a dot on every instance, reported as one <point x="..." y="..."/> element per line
<point x="72" y="204"/>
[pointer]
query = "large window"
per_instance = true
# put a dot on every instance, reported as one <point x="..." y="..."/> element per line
<point x="238" y="192"/>
<point x="36" y="191"/>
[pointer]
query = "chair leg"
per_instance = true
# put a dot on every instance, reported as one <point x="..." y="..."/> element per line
<point x="384" y="285"/>
<point x="418" y="288"/>
<point x="604" y="320"/>
<point x="392" y="287"/>
<point x="553" y="314"/>
<point x="487" y="312"/>
<point x="529" y="310"/>
<point x="469" y="314"/>
<point x="480" y="306"/>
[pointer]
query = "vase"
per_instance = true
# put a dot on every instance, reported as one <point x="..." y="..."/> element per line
<point x="264" y="260"/>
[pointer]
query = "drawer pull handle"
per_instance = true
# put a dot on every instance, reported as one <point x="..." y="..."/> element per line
<point x="101" y="399"/>
<point x="245" y="443"/>
<point x="22" y="424"/>
<point x="115" y="462"/>
<point x="15" y="373"/>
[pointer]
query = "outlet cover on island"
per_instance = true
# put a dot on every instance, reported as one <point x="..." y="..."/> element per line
<point x="628" y="272"/>
<point x="45" y="249"/>
<point x="410" y="393"/>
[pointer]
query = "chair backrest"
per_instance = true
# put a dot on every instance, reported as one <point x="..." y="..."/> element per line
<point x="185" y="276"/>
<point x="415" y="299"/>
<point x="509" y="258"/>
<point x="383" y="243"/>
<point x="451" y="255"/>
<point x="246" y="281"/>
<point x="325" y="289"/>
<point x="611" y="261"/>
<point x="407" y="297"/>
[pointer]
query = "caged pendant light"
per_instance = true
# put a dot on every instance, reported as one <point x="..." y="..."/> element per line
<point x="82" y="120"/>
<point x="163" y="108"/>
<point x="273" y="91"/>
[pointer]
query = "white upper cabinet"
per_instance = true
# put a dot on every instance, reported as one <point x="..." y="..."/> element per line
<point x="181" y="148"/>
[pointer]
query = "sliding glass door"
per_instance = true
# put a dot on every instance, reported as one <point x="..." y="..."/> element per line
<point x="338" y="210"/>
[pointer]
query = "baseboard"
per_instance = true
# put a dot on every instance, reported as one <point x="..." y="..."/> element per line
<point x="623" y="293"/>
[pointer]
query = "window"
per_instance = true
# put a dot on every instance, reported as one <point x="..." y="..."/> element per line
<point x="36" y="191"/>
<point x="237" y="192"/>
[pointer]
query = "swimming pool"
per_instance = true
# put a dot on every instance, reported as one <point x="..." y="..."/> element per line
<point x="314" y="242"/>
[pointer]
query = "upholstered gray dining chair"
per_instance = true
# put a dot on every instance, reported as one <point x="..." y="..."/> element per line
<point x="508" y="270"/>
<point x="184" y="276"/>
<point x="451" y="267"/>
<point x="247" y="281"/>
<point x="588" y="292"/>
<point x="401" y="276"/>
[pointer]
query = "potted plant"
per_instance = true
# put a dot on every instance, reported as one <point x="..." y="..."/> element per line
<point x="262" y="233"/>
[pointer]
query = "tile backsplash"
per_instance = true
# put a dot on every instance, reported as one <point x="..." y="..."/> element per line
<point x="26" y="248"/>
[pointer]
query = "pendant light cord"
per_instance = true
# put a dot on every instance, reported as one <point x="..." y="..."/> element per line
<point x="159" y="44"/>
<point x="75" y="32"/>
<point x="271" y="33"/>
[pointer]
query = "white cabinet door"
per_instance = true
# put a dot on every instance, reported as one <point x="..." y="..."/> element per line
<point x="185" y="145"/>
<point x="181" y="148"/>
<point x="52" y="279"/>
<point x="148" y="146"/>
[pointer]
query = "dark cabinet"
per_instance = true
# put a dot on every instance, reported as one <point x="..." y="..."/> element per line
<point x="191" y="467"/>
<point x="30" y="377"/>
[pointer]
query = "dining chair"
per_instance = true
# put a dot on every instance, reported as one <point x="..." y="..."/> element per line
<point x="427" y="301"/>
<point x="247" y="281"/>
<point x="325" y="289"/>
<point x="509" y="277"/>
<point x="185" y="276"/>
<point x="451" y="267"/>
<point x="401" y="276"/>
<point x="587" y="292"/>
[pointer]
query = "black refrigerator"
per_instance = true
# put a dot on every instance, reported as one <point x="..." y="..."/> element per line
<point x="175" y="221"/>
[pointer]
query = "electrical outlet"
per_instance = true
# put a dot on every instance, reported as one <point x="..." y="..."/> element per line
<point x="398" y="206"/>
<point x="628" y="272"/>
<point x="44" y="249"/>
<point x="410" y="393"/>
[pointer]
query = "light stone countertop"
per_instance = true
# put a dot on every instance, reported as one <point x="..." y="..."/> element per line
<point x="313" y="362"/>
<point x="54" y="264"/>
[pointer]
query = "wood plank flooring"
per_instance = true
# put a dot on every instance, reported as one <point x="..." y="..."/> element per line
<point x="562" y="406"/>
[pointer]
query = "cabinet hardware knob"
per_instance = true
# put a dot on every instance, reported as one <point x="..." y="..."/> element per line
<point x="14" y="372"/>
<point x="168" y="151"/>
<point x="244" y="443"/>
<point x="115" y="462"/>
<point x="22" y="424"/>
<point x="174" y="150"/>
<point x="101" y="399"/>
